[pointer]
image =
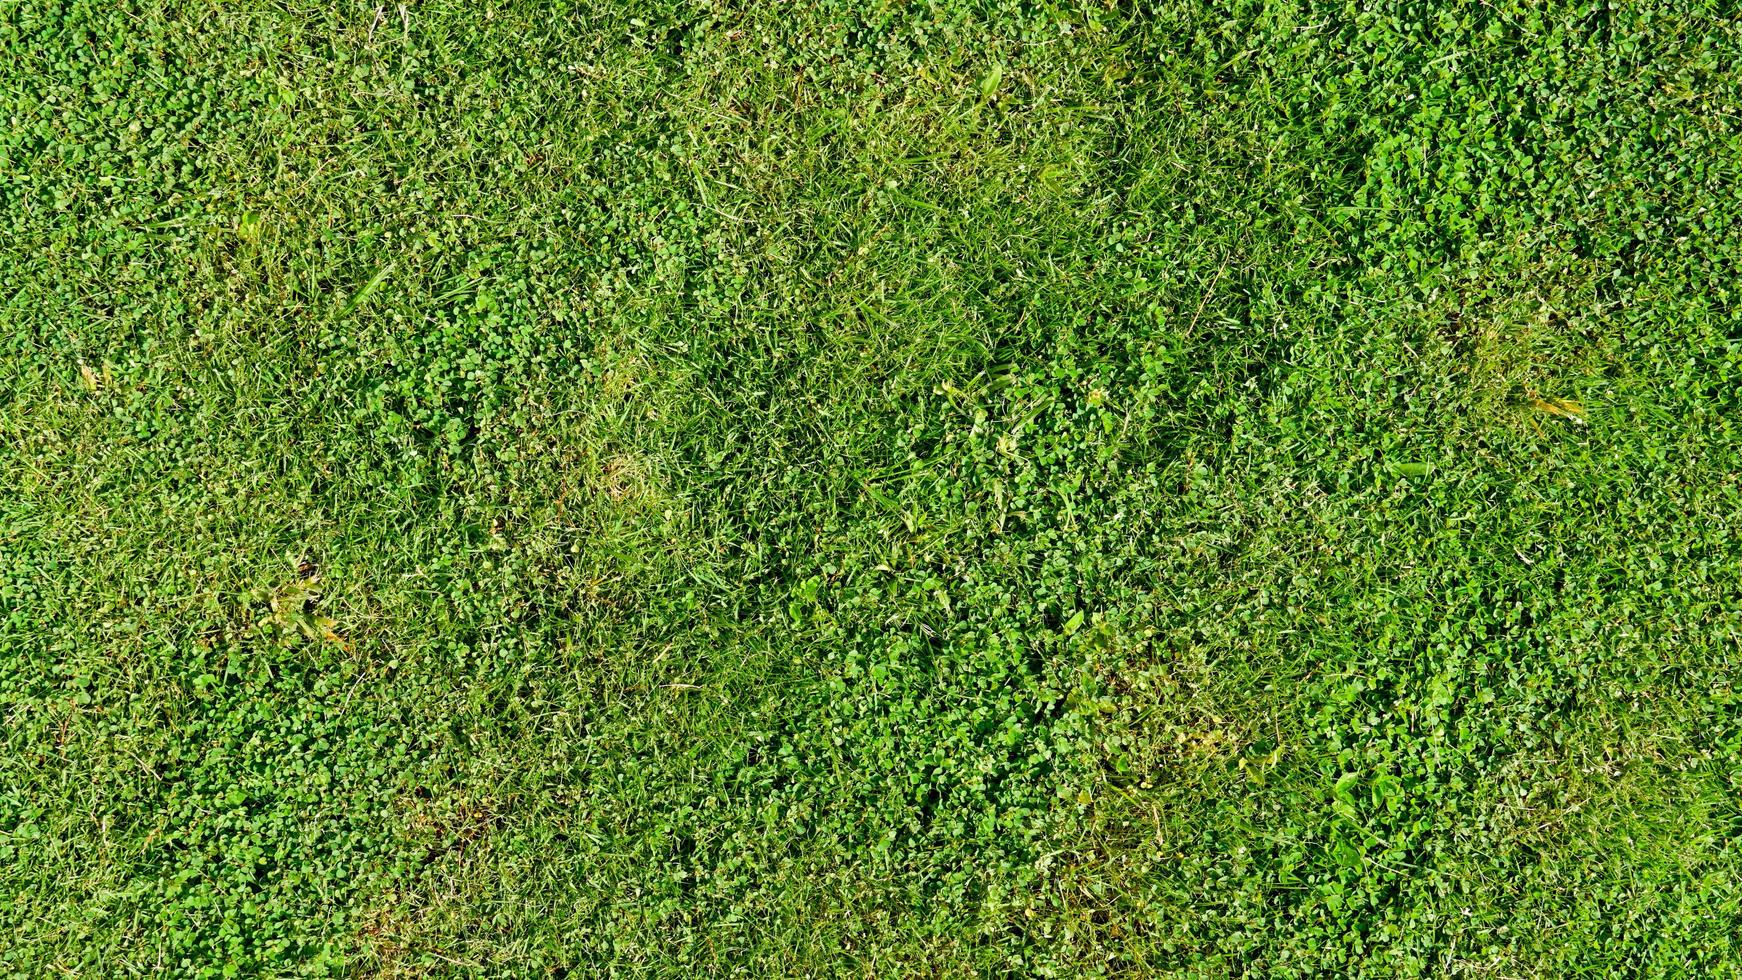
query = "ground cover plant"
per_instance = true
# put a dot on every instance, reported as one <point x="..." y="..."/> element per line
<point x="1173" y="489"/>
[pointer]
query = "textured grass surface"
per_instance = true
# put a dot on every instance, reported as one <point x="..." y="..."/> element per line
<point x="931" y="489"/>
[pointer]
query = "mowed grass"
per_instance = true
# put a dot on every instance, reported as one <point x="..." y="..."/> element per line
<point x="870" y="489"/>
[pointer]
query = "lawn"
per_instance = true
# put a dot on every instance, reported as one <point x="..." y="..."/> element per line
<point x="870" y="488"/>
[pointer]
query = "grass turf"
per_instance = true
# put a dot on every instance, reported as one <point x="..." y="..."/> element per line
<point x="1007" y="488"/>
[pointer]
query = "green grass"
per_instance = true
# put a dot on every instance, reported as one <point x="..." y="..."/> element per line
<point x="870" y="489"/>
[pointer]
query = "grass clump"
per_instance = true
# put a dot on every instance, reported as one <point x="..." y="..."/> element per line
<point x="953" y="489"/>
